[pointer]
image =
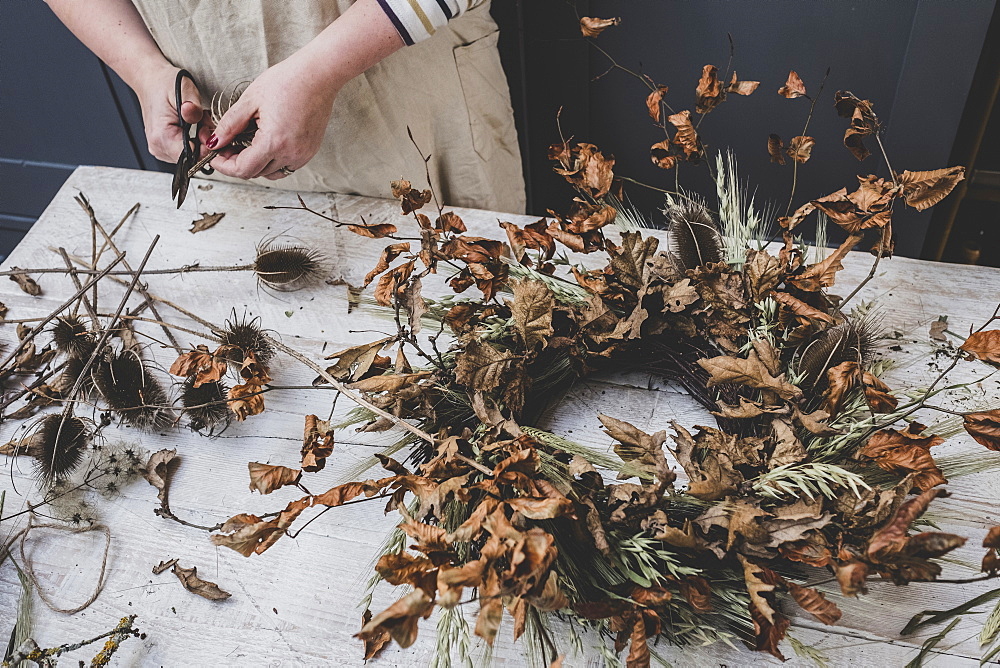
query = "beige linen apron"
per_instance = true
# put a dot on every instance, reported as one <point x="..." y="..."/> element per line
<point x="450" y="90"/>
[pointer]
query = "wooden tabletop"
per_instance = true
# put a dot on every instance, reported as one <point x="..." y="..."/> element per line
<point x="297" y="604"/>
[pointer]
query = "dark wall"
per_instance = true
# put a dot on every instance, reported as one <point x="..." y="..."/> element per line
<point x="59" y="108"/>
<point x="914" y="59"/>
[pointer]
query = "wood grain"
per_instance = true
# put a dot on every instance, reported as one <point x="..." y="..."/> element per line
<point x="297" y="603"/>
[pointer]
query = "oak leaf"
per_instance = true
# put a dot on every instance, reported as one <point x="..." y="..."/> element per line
<point x="265" y="478"/>
<point x="376" y="641"/>
<point x="157" y="471"/>
<point x="762" y="272"/>
<point x="679" y="296"/>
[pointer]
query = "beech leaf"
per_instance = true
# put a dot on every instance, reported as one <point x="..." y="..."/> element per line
<point x="265" y="478"/>
<point x="592" y="27"/>
<point x="794" y="86"/>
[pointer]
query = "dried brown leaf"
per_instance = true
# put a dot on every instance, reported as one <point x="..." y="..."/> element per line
<point x="794" y="86"/>
<point x="687" y="136"/>
<point x="265" y="478"/>
<point x="984" y="427"/>
<point x="194" y="584"/>
<point x="592" y="27"/>
<point x="984" y="346"/>
<point x="661" y="156"/>
<point x="922" y="190"/>
<point x="775" y="148"/>
<point x="709" y="90"/>
<point x="814" y="603"/>
<point x="26" y="283"/>
<point x="531" y="310"/>
<point x="653" y="103"/>
<point x="800" y="148"/>
<point x="750" y="372"/>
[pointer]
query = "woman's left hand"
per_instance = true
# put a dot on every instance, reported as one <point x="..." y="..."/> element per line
<point x="291" y="104"/>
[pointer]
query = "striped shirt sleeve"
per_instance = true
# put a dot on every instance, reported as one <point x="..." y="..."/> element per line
<point x="416" y="20"/>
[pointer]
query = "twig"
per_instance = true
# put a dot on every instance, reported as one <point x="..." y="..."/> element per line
<point x="87" y="303"/>
<point x="805" y="129"/>
<point x="141" y="288"/>
<point x="186" y="269"/>
<point x="34" y="332"/>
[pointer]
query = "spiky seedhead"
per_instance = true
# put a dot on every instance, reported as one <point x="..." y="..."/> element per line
<point x="287" y="266"/>
<point x="243" y="336"/>
<point x="71" y="337"/>
<point x="693" y="238"/>
<point x="851" y="340"/>
<point x="131" y="391"/>
<point x="205" y="405"/>
<point x="58" y="444"/>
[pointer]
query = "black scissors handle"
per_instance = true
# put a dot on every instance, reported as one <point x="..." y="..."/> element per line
<point x="191" y="145"/>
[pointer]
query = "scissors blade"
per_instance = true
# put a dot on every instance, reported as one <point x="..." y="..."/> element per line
<point x="179" y="186"/>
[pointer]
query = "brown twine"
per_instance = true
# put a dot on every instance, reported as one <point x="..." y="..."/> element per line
<point x="29" y="569"/>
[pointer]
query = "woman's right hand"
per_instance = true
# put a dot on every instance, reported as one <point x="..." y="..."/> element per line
<point x="159" y="115"/>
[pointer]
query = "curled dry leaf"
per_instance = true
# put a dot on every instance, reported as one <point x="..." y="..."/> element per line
<point x="26" y="283"/>
<point x="393" y="283"/>
<point x="877" y="394"/>
<point x="653" y="103"/>
<point x="389" y="253"/>
<point x="864" y="122"/>
<point x="660" y="154"/>
<point x="697" y="591"/>
<point x="207" y="221"/>
<point x="906" y="451"/>
<point x="400" y="619"/>
<point x="991" y="560"/>
<point x="794" y="87"/>
<point x="585" y="167"/>
<point x="892" y="538"/>
<point x="194" y="584"/>
<point x="204" y="366"/>
<point x="775" y="149"/>
<point x="687" y="136"/>
<point x="157" y="472"/>
<point x="824" y="274"/>
<point x="379" y="231"/>
<point x="741" y="87"/>
<point x="374" y="642"/>
<point x="800" y="308"/>
<point x="534" y="236"/>
<point x="984" y="427"/>
<point x="592" y="27"/>
<point x="840" y="380"/>
<point x="984" y="346"/>
<point x="249" y="534"/>
<point x="410" y="198"/>
<point x="317" y="444"/>
<point x="265" y="478"/>
<point x="708" y="91"/>
<point x="800" y="148"/>
<point x="246" y="399"/>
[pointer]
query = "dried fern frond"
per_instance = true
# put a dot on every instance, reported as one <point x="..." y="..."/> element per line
<point x="205" y="405"/>
<point x="244" y="336"/>
<point x="286" y="266"/>
<point x="71" y="336"/>
<point x="850" y="341"/>
<point x="131" y="391"/>
<point x="58" y="444"/>
<point x="693" y="238"/>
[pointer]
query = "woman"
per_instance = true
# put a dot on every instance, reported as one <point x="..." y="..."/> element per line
<point x="335" y="86"/>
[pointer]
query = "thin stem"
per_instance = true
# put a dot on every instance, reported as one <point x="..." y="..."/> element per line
<point x="186" y="269"/>
<point x="87" y="303"/>
<point x="34" y="332"/>
<point x="805" y="129"/>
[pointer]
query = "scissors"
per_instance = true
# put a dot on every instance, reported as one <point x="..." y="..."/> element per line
<point x="187" y="162"/>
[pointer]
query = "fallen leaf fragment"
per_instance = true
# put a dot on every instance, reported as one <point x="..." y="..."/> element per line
<point x="26" y="283"/>
<point x="984" y="346"/>
<point x="207" y="221"/>
<point x="984" y="427"/>
<point x="194" y="584"/>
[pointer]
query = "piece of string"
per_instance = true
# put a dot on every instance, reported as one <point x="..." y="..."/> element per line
<point x="28" y="567"/>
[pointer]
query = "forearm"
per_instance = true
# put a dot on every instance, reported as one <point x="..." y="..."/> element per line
<point x="361" y="37"/>
<point x="115" y="32"/>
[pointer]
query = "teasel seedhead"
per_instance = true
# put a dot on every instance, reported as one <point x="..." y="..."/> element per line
<point x="71" y="337"/>
<point x="58" y="444"/>
<point x="287" y="266"/>
<point x="205" y="405"/>
<point x="693" y="238"/>
<point x="242" y="336"/>
<point x="131" y="391"/>
<point x="853" y="340"/>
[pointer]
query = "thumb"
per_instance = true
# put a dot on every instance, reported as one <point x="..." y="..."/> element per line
<point x="233" y="122"/>
<point x="192" y="108"/>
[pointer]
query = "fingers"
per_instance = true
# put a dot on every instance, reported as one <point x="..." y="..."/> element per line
<point x="246" y="164"/>
<point x="233" y="122"/>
